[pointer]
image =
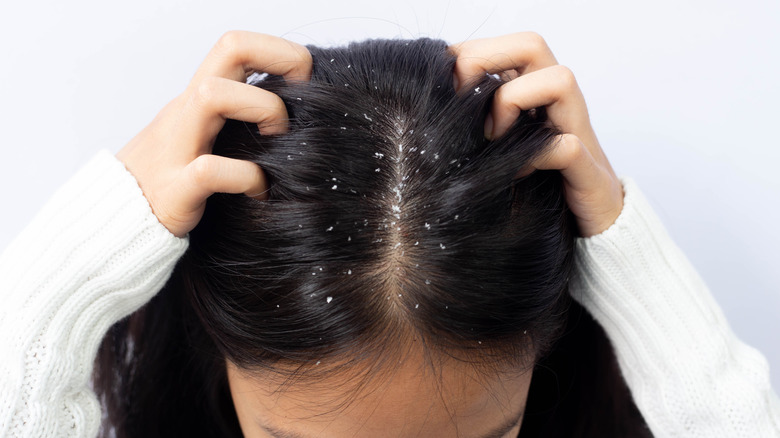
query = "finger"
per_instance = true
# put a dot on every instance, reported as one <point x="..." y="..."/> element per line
<point x="554" y="87"/>
<point x="239" y="53"/>
<point x="208" y="174"/>
<point x="216" y="99"/>
<point x="573" y="159"/>
<point x="516" y="54"/>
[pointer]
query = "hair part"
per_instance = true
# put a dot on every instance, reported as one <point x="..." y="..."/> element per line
<point x="391" y="222"/>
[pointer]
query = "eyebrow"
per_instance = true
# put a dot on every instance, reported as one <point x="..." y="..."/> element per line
<point x="497" y="432"/>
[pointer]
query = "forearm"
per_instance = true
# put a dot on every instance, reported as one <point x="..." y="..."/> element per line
<point x="94" y="254"/>
<point x="687" y="371"/>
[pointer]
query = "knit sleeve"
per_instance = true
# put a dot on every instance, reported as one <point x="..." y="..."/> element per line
<point x="688" y="373"/>
<point x="93" y="254"/>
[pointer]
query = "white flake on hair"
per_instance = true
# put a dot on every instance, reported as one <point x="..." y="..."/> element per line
<point x="368" y="118"/>
<point x="427" y="281"/>
<point x="330" y="228"/>
<point x="349" y="271"/>
<point x="329" y="299"/>
<point x="349" y="238"/>
<point x="477" y="91"/>
<point x="441" y="245"/>
<point x="416" y="306"/>
<point x="427" y="226"/>
<point x="334" y="187"/>
<point x="378" y="155"/>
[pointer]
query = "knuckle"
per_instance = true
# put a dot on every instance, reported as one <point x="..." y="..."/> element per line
<point x="201" y="170"/>
<point x="205" y="92"/>
<point x="305" y="55"/>
<point x="565" y="76"/>
<point x="533" y="42"/>
<point x="571" y="148"/>
<point x="230" y="41"/>
<point x="534" y="39"/>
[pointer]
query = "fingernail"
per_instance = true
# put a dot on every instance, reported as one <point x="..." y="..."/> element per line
<point x="489" y="127"/>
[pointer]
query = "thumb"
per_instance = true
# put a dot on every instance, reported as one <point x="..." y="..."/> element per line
<point x="208" y="174"/>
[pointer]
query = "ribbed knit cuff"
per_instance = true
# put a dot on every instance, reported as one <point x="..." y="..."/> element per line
<point x="687" y="371"/>
<point x="93" y="254"/>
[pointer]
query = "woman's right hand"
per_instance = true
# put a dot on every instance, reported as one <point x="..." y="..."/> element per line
<point x="593" y="191"/>
<point x="171" y="157"/>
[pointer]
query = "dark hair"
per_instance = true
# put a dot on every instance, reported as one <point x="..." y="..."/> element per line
<point x="390" y="217"/>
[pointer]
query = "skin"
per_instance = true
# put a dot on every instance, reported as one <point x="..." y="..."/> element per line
<point x="171" y="160"/>
<point x="406" y="402"/>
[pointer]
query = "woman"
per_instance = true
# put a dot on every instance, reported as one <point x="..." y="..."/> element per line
<point x="67" y="285"/>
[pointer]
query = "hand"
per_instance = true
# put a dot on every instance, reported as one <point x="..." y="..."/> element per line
<point x="593" y="191"/>
<point x="171" y="157"/>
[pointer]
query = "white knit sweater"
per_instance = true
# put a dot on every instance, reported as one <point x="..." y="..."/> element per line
<point x="95" y="253"/>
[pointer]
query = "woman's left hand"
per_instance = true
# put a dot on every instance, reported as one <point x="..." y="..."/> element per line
<point x="534" y="79"/>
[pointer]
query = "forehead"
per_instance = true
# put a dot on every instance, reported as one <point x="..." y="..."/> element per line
<point x="407" y="398"/>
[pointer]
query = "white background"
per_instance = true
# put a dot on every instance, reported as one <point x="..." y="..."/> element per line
<point x="683" y="97"/>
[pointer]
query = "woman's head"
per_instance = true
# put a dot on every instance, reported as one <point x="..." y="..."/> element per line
<point x="395" y="237"/>
<point x="399" y="280"/>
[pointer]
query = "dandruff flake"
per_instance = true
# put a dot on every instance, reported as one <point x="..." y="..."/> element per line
<point x="329" y="299"/>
